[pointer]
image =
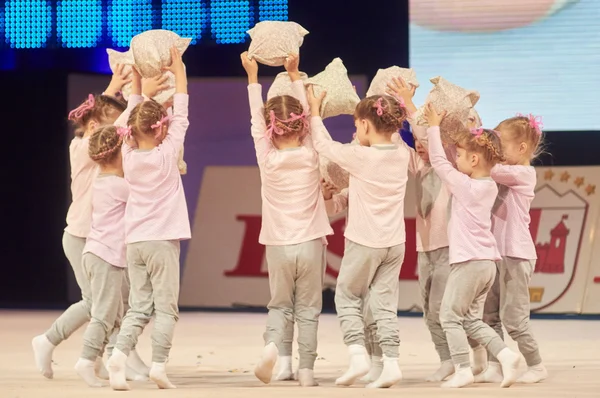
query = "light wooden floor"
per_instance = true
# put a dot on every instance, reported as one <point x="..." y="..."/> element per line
<point x="214" y="354"/>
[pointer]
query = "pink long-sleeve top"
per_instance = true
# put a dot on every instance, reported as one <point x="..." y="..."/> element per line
<point x="83" y="172"/>
<point x="157" y="209"/>
<point x="293" y="209"/>
<point x="107" y="235"/>
<point x="510" y="216"/>
<point x="378" y="177"/>
<point x="469" y="228"/>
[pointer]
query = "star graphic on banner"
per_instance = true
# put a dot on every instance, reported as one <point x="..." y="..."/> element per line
<point x="579" y="181"/>
<point x="564" y="177"/>
<point x="548" y="175"/>
<point x="590" y="189"/>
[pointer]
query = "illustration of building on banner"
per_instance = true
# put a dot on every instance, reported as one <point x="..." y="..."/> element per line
<point x="557" y="224"/>
<point x="551" y="255"/>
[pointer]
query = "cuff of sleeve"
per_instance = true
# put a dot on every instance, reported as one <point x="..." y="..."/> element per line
<point x="181" y="99"/>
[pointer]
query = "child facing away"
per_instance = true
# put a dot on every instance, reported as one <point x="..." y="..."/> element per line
<point x="156" y="220"/>
<point x="473" y="250"/>
<point x="294" y="220"/>
<point x="375" y="234"/>
<point x="508" y="302"/>
<point x="97" y="110"/>
<point x="104" y="253"/>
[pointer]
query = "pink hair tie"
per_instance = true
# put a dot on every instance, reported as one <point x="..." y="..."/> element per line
<point x="273" y="125"/>
<point x="159" y="124"/>
<point x="124" y="132"/>
<point x="379" y="106"/>
<point x="477" y="132"/>
<point x="535" y="122"/>
<point x="82" y="109"/>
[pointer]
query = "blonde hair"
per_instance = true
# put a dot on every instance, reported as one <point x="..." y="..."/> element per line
<point x="279" y="113"/>
<point x="102" y="108"/>
<point x="487" y="144"/>
<point x="522" y="129"/>
<point x="385" y="112"/>
<point x="144" y="116"/>
<point x="105" y="145"/>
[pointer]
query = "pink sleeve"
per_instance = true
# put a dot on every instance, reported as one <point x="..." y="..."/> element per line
<point x="178" y="124"/>
<point x="134" y="100"/>
<point x="262" y="144"/>
<point x="338" y="203"/>
<point x="347" y="157"/>
<point x="457" y="182"/>
<point x="415" y="163"/>
<point x="515" y="177"/>
<point x="300" y="93"/>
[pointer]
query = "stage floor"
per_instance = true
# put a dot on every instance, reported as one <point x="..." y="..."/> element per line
<point x="214" y="354"/>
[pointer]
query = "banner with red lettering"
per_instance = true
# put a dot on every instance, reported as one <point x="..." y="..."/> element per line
<point x="226" y="266"/>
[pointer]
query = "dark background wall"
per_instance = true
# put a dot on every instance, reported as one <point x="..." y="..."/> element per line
<point x="35" y="193"/>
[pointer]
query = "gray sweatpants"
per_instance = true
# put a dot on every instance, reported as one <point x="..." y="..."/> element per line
<point x="107" y="304"/>
<point x="79" y="313"/>
<point x="296" y="285"/>
<point x="373" y="272"/>
<point x="124" y="308"/>
<point x="466" y="290"/>
<point x="154" y="275"/>
<point x="371" y="339"/>
<point x="508" y="303"/>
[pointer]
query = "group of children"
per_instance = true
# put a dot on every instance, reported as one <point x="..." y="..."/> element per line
<point x="476" y="255"/>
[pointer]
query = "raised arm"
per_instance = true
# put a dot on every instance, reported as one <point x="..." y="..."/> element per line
<point x="179" y="121"/>
<point x="515" y="177"/>
<point x="457" y="182"/>
<point x="347" y="157"/>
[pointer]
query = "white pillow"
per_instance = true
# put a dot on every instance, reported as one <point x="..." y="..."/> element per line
<point x="273" y="41"/>
<point x="282" y="85"/>
<point x="151" y="50"/>
<point x="385" y="76"/>
<point x="341" y="99"/>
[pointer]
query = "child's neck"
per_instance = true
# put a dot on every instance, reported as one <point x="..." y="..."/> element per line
<point x="380" y="139"/>
<point x="146" y="144"/>
<point x="481" y="173"/>
<point x="287" y="144"/>
<point x="112" y="169"/>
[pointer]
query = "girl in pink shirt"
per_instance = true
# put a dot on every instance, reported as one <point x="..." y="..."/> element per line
<point x="473" y="250"/>
<point x="156" y="220"/>
<point x="294" y="220"/>
<point x="375" y="233"/>
<point x="95" y="111"/>
<point x="508" y="302"/>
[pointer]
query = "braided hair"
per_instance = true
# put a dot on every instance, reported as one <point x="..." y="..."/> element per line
<point x="386" y="113"/>
<point x="486" y="142"/>
<point x="102" y="108"/>
<point x="281" y="108"/>
<point x="144" y="116"/>
<point x="105" y="145"/>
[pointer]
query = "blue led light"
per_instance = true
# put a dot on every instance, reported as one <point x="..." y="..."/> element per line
<point x="230" y="20"/>
<point x="127" y="18"/>
<point x="187" y="18"/>
<point x="28" y="23"/>
<point x="273" y="10"/>
<point x="79" y="23"/>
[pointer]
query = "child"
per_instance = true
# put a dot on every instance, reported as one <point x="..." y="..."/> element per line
<point x="508" y="302"/>
<point x="156" y="219"/>
<point x="472" y="246"/>
<point x="95" y="111"/>
<point x="374" y="233"/>
<point x="294" y="219"/>
<point x="104" y="252"/>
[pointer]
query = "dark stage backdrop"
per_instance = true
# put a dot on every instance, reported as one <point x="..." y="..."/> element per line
<point x="35" y="137"/>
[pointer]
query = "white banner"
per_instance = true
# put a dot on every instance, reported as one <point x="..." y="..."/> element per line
<point x="226" y="267"/>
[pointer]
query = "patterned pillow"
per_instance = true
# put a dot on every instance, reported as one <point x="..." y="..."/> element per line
<point x="282" y="85"/>
<point x="273" y="41"/>
<point x="151" y="50"/>
<point x="385" y="76"/>
<point x="341" y="99"/>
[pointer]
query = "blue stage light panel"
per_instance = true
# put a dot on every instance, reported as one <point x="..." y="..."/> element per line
<point x="79" y="23"/>
<point x="230" y="20"/>
<point x="187" y="18"/>
<point x="273" y="10"/>
<point x="127" y="18"/>
<point x="27" y="23"/>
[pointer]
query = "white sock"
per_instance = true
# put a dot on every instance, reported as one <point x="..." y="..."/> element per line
<point x="479" y="359"/>
<point x="116" y="370"/>
<point x="132" y="375"/>
<point x="359" y="365"/>
<point x="462" y="378"/>
<point x="492" y="374"/>
<point x="264" y="369"/>
<point x="100" y="369"/>
<point x="137" y="364"/>
<point x="446" y="369"/>
<point x="158" y="374"/>
<point x="534" y="374"/>
<point x="86" y="370"/>
<point x="42" y="351"/>
<point x="375" y="371"/>
<point x="509" y="361"/>
<point x="306" y="378"/>
<point x="390" y="374"/>
<point x="285" y="369"/>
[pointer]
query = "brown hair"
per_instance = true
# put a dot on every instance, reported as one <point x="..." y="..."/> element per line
<point x="105" y="145"/>
<point x="102" y="108"/>
<point x="522" y="130"/>
<point x="487" y="144"/>
<point x="282" y="107"/>
<point x="144" y="116"/>
<point x="392" y="117"/>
